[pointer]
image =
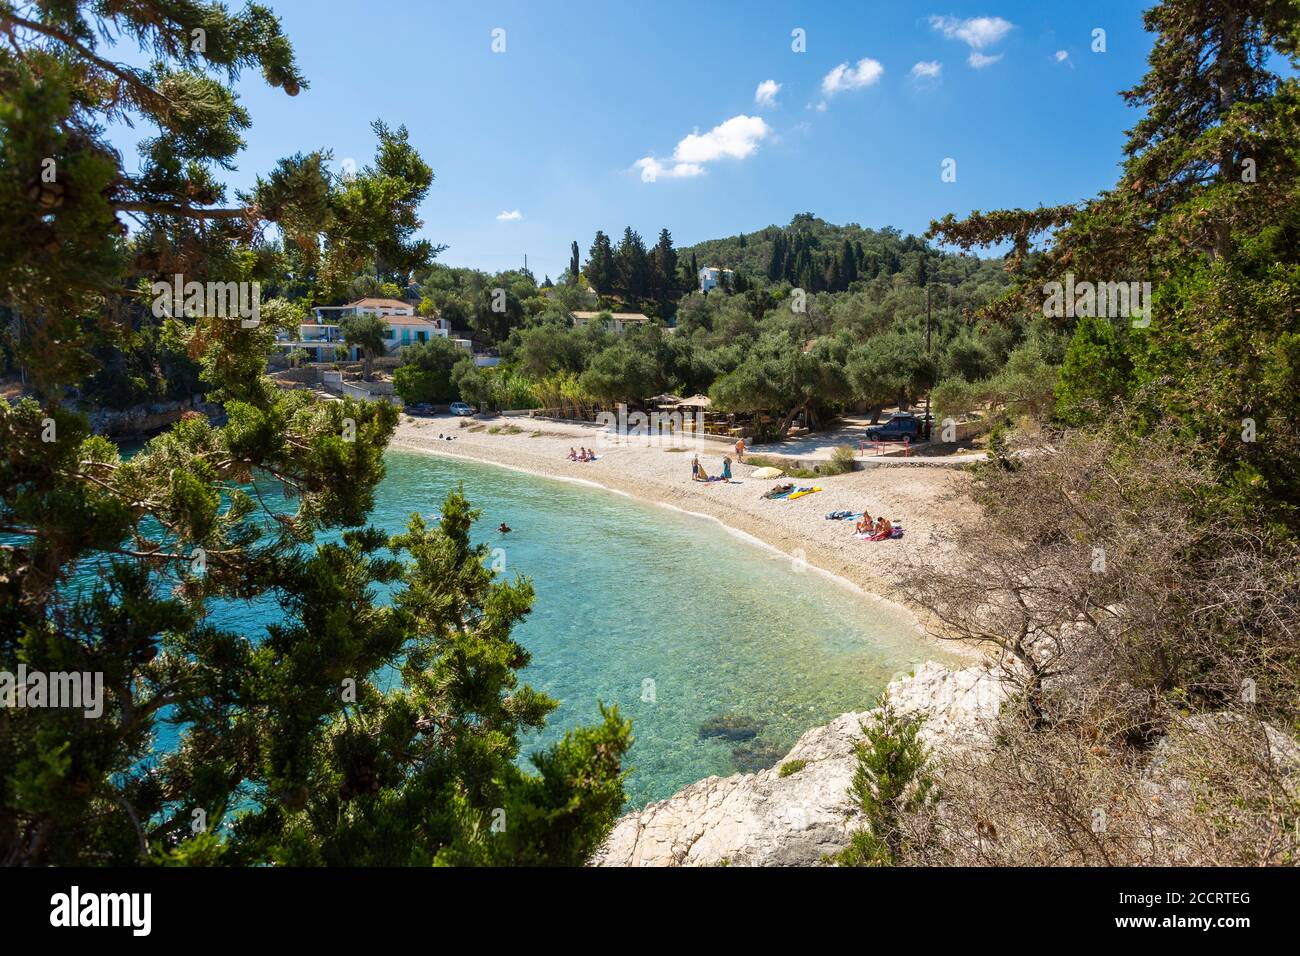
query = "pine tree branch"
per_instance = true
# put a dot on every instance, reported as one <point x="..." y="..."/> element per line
<point x="146" y="93"/>
<point x="192" y="212"/>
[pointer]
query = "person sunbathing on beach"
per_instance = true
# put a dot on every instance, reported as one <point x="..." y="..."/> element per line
<point x="864" y="523"/>
<point x="573" y="454"/>
<point x="726" y="469"/>
<point x="583" y="454"/>
<point x="883" y="529"/>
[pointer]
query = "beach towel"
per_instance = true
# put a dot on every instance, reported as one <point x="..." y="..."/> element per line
<point x="863" y="536"/>
<point x="803" y="491"/>
<point x="843" y="515"/>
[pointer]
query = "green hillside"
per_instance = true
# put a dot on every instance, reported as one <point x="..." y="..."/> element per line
<point x="819" y="256"/>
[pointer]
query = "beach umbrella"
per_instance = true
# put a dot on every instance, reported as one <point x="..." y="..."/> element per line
<point x="767" y="473"/>
<point x="696" y="401"/>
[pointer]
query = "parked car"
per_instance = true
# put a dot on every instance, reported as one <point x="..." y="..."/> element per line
<point x="460" y="408"/>
<point x="901" y="425"/>
<point x="420" y="408"/>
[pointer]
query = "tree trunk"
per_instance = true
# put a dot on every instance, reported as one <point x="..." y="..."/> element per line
<point x="1231" y="68"/>
<point x="785" y="424"/>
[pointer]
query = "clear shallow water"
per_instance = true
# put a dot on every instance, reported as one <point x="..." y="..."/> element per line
<point x="630" y="593"/>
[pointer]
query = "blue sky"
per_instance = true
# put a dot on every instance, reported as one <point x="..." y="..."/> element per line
<point x="555" y="125"/>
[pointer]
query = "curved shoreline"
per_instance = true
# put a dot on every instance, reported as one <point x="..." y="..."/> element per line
<point x="816" y="546"/>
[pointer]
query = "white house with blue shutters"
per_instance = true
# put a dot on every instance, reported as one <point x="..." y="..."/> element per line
<point x="320" y="337"/>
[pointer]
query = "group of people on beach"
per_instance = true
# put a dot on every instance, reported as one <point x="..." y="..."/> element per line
<point x="699" y="474"/>
<point x="880" y="530"/>
<point x="581" y="454"/>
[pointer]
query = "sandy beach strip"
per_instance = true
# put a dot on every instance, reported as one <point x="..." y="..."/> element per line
<point x="926" y="502"/>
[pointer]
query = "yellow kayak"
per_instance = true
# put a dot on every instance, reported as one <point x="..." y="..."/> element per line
<point x="800" y="494"/>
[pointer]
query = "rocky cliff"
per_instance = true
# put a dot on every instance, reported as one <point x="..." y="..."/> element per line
<point x="148" y="418"/>
<point x="764" y="819"/>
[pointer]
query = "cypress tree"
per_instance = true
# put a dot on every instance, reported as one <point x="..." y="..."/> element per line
<point x="776" y="263"/>
<point x="665" y="264"/>
<point x="633" y="265"/>
<point x="848" y="265"/>
<point x="601" y="271"/>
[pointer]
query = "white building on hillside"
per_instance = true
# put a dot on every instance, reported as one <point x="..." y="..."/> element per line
<point x="711" y="277"/>
<point x="321" y="337"/>
<point x="617" y="322"/>
<point x="367" y="306"/>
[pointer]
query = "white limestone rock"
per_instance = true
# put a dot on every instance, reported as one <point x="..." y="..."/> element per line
<point x="763" y="819"/>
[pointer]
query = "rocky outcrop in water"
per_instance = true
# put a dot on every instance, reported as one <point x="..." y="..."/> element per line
<point x="764" y="819"/>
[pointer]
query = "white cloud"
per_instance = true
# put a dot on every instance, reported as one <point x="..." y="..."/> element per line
<point x="737" y="138"/>
<point x="652" y="169"/>
<point x="765" y="95"/>
<point x="1062" y="55"/>
<point x="976" y="32"/>
<point x="512" y="215"/>
<point x="845" y="77"/>
<point x="927" y="70"/>
<point x="979" y="60"/>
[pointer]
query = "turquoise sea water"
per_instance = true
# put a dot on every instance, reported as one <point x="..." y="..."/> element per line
<point x="629" y="593"/>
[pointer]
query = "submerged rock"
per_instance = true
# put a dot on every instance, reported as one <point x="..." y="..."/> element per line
<point x="764" y="819"/>
<point x="730" y="727"/>
<point x="756" y="755"/>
